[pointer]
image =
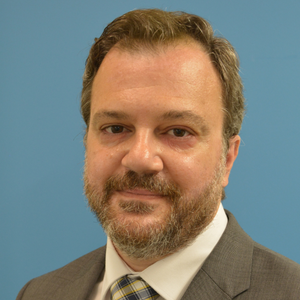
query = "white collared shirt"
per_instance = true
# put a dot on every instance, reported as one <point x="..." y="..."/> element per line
<point x="170" y="276"/>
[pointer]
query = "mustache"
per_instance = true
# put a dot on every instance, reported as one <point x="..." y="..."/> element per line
<point x="132" y="180"/>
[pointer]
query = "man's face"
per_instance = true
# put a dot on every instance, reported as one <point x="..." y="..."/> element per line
<point x="154" y="155"/>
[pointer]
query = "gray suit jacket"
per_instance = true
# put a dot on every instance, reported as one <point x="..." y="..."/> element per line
<point x="237" y="268"/>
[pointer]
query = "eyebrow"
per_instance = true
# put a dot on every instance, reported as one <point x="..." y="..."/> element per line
<point x="189" y="116"/>
<point x="109" y="114"/>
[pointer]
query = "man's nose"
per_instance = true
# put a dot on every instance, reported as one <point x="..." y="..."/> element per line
<point x="143" y="155"/>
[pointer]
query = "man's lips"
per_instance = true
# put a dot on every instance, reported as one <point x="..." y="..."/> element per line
<point x="139" y="192"/>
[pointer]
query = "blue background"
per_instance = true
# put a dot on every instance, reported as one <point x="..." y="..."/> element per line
<point x="45" y="222"/>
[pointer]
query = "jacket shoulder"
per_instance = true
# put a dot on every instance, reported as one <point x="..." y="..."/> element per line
<point x="274" y="272"/>
<point x="242" y="269"/>
<point x="79" y="274"/>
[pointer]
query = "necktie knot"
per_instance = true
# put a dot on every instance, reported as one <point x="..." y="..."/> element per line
<point x="126" y="288"/>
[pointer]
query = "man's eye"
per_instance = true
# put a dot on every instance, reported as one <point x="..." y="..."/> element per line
<point x="114" y="129"/>
<point x="178" y="132"/>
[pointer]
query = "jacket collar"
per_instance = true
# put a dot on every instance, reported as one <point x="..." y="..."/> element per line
<point x="226" y="272"/>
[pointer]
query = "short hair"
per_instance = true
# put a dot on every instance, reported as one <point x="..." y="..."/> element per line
<point x="151" y="28"/>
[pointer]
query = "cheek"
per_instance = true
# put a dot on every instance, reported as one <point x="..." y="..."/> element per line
<point x="192" y="172"/>
<point x="101" y="164"/>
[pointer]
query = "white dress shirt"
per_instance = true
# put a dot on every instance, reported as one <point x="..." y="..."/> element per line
<point x="170" y="276"/>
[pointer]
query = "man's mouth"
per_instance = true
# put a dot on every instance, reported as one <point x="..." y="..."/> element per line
<point x="139" y="193"/>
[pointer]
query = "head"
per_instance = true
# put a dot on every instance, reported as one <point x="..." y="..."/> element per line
<point x="163" y="104"/>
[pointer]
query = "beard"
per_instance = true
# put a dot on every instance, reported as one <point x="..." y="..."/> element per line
<point x="185" y="220"/>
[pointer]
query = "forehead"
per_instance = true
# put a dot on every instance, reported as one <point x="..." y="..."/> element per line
<point x="180" y="74"/>
<point x="181" y="59"/>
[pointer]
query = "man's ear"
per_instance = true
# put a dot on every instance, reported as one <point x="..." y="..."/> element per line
<point x="232" y="153"/>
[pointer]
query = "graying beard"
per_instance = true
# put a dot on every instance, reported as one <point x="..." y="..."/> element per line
<point x="145" y="242"/>
<point x="136" y="207"/>
<point x="187" y="219"/>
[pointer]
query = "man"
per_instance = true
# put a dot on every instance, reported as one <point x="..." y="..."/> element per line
<point x="163" y="104"/>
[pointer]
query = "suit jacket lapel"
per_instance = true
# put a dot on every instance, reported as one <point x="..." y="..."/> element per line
<point x="87" y="273"/>
<point x="226" y="272"/>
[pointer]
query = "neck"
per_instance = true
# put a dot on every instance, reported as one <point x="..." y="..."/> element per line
<point x="137" y="265"/>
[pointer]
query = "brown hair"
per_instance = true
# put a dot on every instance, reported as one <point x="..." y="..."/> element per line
<point x="150" y="28"/>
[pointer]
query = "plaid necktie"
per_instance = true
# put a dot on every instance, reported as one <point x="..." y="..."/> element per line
<point x="127" y="288"/>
